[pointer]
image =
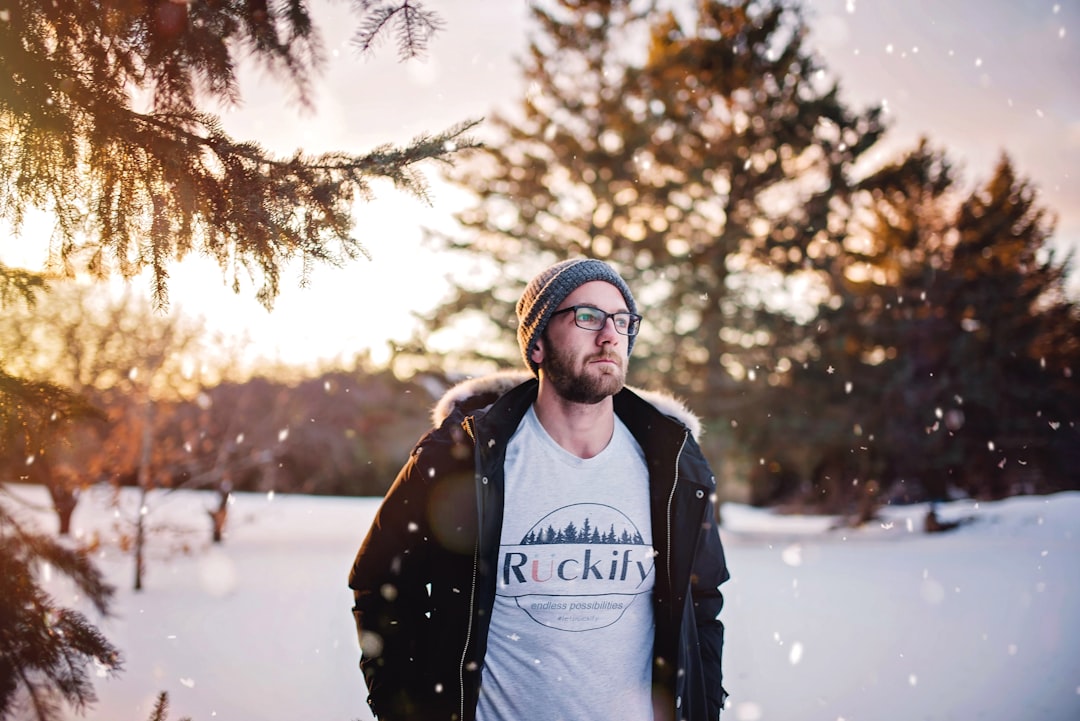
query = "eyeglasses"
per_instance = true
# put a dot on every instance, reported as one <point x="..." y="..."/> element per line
<point x="594" y="319"/>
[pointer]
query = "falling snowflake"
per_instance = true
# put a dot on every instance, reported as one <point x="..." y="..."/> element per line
<point x="792" y="555"/>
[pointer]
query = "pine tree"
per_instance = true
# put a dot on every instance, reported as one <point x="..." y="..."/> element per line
<point x="696" y="149"/>
<point x="825" y="420"/>
<point x="971" y="390"/>
<point x="1006" y="370"/>
<point x="703" y="152"/>
<point x="570" y="533"/>
<point x="944" y="358"/>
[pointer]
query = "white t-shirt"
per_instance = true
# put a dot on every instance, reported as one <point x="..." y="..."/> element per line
<point x="572" y="628"/>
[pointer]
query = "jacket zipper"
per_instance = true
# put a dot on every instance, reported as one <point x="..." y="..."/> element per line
<point x="468" y="423"/>
<point x="468" y="633"/>
<point x="671" y="500"/>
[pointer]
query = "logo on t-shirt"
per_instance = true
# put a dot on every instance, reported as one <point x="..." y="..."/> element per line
<point x="578" y="568"/>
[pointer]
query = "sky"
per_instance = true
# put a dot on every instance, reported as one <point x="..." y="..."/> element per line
<point x="977" y="77"/>
<point x="823" y="623"/>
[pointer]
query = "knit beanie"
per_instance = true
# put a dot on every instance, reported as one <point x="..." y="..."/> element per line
<point x="549" y="289"/>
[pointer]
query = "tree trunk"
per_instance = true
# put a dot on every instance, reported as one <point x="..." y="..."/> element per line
<point x="219" y="516"/>
<point x="64" y="500"/>
<point x="144" y="491"/>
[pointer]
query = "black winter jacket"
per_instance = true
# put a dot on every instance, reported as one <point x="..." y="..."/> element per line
<point x="424" y="578"/>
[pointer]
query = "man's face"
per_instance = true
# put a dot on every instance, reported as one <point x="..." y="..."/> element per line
<point x="585" y="366"/>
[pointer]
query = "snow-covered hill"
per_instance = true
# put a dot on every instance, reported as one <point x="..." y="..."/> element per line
<point x="882" y="623"/>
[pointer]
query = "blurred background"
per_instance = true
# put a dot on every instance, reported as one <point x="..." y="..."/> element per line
<point x="852" y="225"/>
<point x="246" y="245"/>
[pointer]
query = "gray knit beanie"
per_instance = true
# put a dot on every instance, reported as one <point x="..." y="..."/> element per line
<point x="550" y="287"/>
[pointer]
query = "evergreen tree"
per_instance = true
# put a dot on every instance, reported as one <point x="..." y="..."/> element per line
<point x="817" y="428"/>
<point x="943" y="358"/>
<point x="697" y="149"/>
<point x="702" y="151"/>
<point x="1009" y="405"/>
<point x="570" y="533"/>
<point x="968" y="295"/>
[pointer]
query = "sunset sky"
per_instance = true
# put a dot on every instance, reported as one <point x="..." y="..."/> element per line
<point x="977" y="77"/>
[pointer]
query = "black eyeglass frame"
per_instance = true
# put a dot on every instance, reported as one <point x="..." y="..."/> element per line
<point x="635" y="319"/>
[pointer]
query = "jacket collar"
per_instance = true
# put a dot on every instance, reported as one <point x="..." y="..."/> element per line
<point x="482" y="392"/>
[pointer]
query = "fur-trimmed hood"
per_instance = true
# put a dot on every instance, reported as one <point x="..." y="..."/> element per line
<point x="496" y="384"/>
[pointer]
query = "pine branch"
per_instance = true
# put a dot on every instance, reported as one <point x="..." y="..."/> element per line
<point x="413" y="26"/>
<point x="18" y="285"/>
<point x="28" y="404"/>
<point x="76" y="564"/>
<point x="161" y="709"/>
<point x="149" y="187"/>
<point x="44" y="648"/>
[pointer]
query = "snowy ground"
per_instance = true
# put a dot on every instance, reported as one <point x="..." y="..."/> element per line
<point x="878" y="624"/>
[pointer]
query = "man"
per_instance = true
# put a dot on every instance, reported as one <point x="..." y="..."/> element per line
<point x="549" y="550"/>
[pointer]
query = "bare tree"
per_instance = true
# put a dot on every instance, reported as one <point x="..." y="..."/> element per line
<point x="127" y="358"/>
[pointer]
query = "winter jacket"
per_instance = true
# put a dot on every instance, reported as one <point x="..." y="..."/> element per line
<point x="424" y="578"/>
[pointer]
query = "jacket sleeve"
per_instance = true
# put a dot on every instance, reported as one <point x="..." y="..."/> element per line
<point x="710" y="571"/>
<point x="391" y="600"/>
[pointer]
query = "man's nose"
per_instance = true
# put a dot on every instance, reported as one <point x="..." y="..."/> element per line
<point x="608" y="334"/>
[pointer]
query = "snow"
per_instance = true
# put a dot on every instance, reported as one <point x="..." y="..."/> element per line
<point x="824" y="623"/>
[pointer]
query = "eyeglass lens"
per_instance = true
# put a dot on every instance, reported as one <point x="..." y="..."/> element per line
<point x="594" y="319"/>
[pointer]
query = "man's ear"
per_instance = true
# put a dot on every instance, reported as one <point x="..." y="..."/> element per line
<point x="536" y="353"/>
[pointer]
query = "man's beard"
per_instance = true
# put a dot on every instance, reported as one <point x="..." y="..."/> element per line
<point x="584" y="387"/>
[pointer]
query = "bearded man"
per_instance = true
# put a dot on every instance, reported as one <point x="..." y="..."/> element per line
<point x="549" y="550"/>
